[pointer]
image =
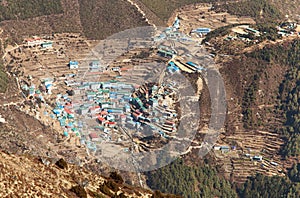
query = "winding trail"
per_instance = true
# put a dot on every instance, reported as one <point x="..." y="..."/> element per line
<point x="142" y="12"/>
<point x="6" y="50"/>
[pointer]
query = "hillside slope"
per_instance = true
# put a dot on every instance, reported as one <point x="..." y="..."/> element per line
<point x="43" y="23"/>
<point x="288" y="7"/>
<point x="252" y="83"/>
<point x="100" y="18"/>
<point x="23" y="176"/>
<point x="96" y="19"/>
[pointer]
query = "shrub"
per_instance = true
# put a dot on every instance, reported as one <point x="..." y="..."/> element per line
<point x="116" y="177"/>
<point x="62" y="164"/>
<point x="79" y="191"/>
<point x="105" y="190"/>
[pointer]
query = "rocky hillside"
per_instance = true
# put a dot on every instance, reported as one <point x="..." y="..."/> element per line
<point x="288" y="7"/>
<point x="253" y="74"/>
<point x="24" y="176"/>
<point x="100" y="18"/>
<point x="96" y="19"/>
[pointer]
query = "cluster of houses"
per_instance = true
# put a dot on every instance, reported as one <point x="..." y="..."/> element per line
<point x="107" y="103"/>
<point x="244" y="33"/>
<point x="172" y="67"/>
<point x="31" y="91"/>
<point x="65" y="114"/>
<point x="148" y="110"/>
<point x="110" y="105"/>
<point x="223" y="148"/>
<point x="94" y="67"/>
<point x="226" y="149"/>
<point x="38" y="42"/>
<point x="62" y="111"/>
<point x="288" y="29"/>
<point x="173" y="33"/>
<point x="114" y="104"/>
<point x="170" y="34"/>
<point x="177" y="64"/>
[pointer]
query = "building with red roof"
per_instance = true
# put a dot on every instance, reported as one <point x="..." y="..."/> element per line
<point x="31" y="42"/>
<point x="94" y="110"/>
<point x="111" y="124"/>
<point x="94" y="137"/>
<point x="101" y="120"/>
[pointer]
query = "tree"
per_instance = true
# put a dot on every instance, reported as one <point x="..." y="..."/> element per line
<point x="178" y="178"/>
<point x="263" y="186"/>
<point x="79" y="191"/>
<point x="116" y="177"/>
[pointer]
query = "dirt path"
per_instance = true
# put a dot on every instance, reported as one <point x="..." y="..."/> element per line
<point x="264" y="43"/>
<point x="142" y="12"/>
<point x="11" y="104"/>
<point x="7" y="49"/>
<point x="10" y="50"/>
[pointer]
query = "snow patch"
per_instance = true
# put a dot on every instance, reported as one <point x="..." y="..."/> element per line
<point x="2" y="120"/>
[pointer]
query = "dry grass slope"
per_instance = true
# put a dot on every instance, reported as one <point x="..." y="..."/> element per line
<point x="3" y="79"/>
<point x="66" y="21"/>
<point x="23" y="176"/>
<point x="102" y="18"/>
<point x="25" y="9"/>
<point x="288" y="7"/>
<point x="164" y="8"/>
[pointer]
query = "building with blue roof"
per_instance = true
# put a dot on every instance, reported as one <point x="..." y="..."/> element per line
<point x="176" y="24"/>
<point x="172" y="67"/>
<point x="165" y="51"/>
<point x="257" y="158"/>
<point x="47" y="44"/>
<point x="201" y="31"/>
<point x="95" y="63"/>
<point x="73" y="65"/>
<point x="160" y="37"/>
<point x="255" y="32"/>
<point x="196" y="66"/>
